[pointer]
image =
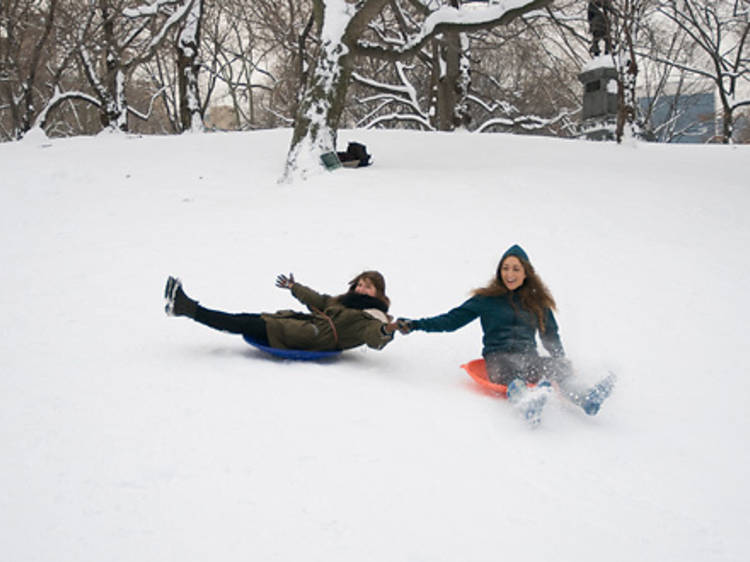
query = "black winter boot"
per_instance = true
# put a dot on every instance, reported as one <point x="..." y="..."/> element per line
<point x="177" y="303"/>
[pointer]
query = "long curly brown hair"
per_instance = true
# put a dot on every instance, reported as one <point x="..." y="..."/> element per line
<point x="533" y="294"/>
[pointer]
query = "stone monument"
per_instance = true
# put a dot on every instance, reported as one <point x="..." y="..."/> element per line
<point x="599" y="77"/>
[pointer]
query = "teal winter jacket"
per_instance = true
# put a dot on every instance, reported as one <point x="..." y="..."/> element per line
<point x="507" y="327"/>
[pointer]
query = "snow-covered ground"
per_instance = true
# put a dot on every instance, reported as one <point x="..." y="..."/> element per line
<point x="130" y="436"/>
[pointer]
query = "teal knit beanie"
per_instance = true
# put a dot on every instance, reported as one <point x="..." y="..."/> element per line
<point x="515" y="250"/>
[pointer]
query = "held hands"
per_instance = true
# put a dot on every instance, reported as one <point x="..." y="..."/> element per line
<point x="401" y="324"/>
<point x="404" y="325"/>
<point x="284" y="282"/>
<point x="390" y="328"/>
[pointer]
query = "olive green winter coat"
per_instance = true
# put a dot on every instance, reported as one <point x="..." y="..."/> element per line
<point x="288" y="329"/>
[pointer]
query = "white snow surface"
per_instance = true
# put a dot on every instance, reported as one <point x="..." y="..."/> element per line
<point x="128" y="435"/>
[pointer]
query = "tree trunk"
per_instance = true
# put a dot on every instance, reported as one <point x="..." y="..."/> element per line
<point x="114" y="102"/>
<point x="462" y="114"/>
<point x="627" y="70"/>
<point x="434" y="110"/>
<point x="448" y="64"/>
<point x="626" y="100"/>
<point x="727" y="123"/>
<point x="319" y="111"/>
<point x="115" y="106"/>
<point x="188" y="44"/>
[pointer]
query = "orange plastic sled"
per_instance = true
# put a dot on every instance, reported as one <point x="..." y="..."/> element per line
<point x="477" y="370"/>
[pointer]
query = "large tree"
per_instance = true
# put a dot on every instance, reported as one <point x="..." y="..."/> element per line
<point x="344" y="33"/>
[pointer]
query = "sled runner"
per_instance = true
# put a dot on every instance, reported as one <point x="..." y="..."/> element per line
<point x="294" y="354"/>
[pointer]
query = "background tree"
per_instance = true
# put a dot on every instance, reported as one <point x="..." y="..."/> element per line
<point x="111" y="41"/>
<point x="254" y="57"/>
<point x="25" y="30"/>
<point x="525" y="73"/>
<point x="342" y="31"/>
<point x="720" y="30"/>
<point x="520" y="77"/>
<point x="625" y="22"/>
<point x="669" y="95"/>
<point x="73" y="65"/>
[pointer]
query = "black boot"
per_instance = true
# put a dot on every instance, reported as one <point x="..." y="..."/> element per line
<point x="177" y="303"/>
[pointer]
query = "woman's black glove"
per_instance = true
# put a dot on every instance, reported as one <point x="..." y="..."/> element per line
<point x="284" y="282"/>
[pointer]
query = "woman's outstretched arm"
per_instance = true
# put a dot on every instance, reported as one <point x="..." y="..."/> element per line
<point x="448" y="322"/>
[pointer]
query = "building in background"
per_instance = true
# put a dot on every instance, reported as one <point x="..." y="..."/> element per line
<point x="680" y="117"/>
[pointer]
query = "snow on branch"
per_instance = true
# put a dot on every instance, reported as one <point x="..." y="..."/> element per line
<point x="399" y="117"/>
<point x="461" y="19"/>
<point x="527" y="122"/>
<point x="404" y="94"/>
<point x="496" y="105"/>
<point x="148" y="10"/>
<point x="60" y="97"/>
<point x="145" y="116"/>
<point x="89" y="68"/>
<point x="176" y="17"/>
<point x="405" y="89"/>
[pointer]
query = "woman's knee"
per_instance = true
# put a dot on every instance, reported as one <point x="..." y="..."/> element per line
<point x="500" y="369"/>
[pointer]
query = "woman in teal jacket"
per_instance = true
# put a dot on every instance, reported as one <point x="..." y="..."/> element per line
<point x="512" y="309"/>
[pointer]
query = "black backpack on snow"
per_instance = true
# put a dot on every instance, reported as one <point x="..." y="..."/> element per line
<point x="356" y="155"/>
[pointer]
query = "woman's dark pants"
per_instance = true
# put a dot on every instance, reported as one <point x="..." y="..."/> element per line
<point x="251" y="325"/>
<point x="502" y="368"/>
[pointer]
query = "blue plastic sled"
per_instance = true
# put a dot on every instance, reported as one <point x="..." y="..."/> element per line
<point x="294" y="354"/>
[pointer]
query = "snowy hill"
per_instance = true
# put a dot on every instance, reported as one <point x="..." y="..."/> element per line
<point x="129" y="436"/>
